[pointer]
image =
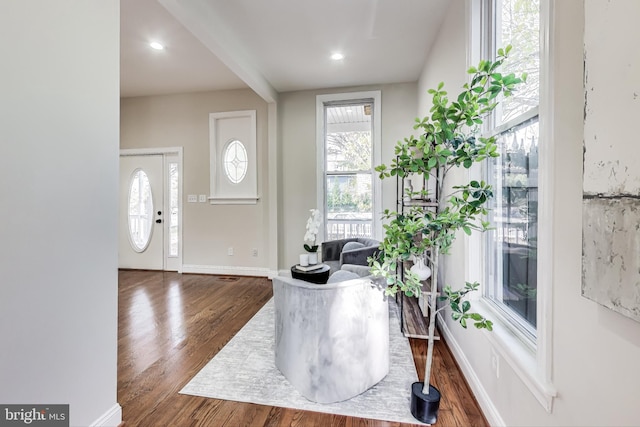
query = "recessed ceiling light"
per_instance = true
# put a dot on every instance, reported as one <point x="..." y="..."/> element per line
<point x="337" y="56"/>
<point x="156" y="46"/>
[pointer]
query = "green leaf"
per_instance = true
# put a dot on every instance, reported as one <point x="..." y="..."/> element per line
<point x="489" y="325"/>
<point x="448" y="137"/>
<point x="475" y="316"/>
<point x="466" y="306"/>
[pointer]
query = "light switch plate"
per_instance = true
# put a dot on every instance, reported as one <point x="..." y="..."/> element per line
<point x="192" y="198"/>
<point x="203" y="198"/>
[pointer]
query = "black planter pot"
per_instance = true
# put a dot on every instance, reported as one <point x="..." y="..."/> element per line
<point x="424" y="407"/>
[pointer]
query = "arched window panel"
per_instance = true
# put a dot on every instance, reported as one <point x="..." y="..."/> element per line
<point x="236" y="161"/>
<point x="140" y="211"/>
<point x="232" y="137"/>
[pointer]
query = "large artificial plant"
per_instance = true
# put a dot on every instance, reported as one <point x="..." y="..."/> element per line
<point x="449" y="138"/>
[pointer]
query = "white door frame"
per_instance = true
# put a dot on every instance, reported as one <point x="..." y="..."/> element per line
<point x="164" y="151"/>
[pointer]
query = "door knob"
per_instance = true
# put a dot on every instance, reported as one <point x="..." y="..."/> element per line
<point x="158" y="221"/>
<point x="159" y="212"/>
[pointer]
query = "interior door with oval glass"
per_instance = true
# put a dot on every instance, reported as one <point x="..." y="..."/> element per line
<point x="141" y="237"/>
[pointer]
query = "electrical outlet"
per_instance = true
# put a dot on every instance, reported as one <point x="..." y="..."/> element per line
<point x="203" y="198"/>
<point x="254" y="252"/>
<point x="230" y="251"/>
<point x="495" y="363"/>
<point x="192" y="198"/>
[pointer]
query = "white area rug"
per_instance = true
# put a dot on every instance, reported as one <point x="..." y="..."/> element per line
<point x="244" y="371"/>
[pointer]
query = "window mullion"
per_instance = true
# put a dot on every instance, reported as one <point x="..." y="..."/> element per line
<point x="515" y="122"/>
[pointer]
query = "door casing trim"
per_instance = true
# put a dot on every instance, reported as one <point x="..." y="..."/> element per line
<point x="165" y="151"/>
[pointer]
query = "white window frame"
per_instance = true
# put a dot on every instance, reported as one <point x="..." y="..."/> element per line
<point x="530" y="360"/>
<point x="526" y="332"/>
<point x="222" y="189"/>
<point x="368" y="96"/>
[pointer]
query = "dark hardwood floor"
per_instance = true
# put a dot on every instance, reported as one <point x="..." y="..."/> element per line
<point x="170" y="325"/>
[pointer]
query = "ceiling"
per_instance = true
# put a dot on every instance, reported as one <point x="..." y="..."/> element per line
<point x="273" y="46"/>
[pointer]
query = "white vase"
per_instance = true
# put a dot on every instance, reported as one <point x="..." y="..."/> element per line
<point x="408" y="190"/>
<point x="313" y="258"/>
<point x="420" y="269"/>
<point x="304" y="260"/>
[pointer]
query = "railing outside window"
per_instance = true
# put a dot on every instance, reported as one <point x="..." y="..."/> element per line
<point x="344" y="229"/>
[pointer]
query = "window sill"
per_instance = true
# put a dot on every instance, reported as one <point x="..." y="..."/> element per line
<point x="521" y="356"/>
<point x="233" y="201"/>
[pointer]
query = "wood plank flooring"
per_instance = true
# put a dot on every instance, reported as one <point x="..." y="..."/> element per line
<point x="170" y="325"/>
<point x="416" y="325"/>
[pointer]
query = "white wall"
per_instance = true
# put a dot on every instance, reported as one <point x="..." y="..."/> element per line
<point x="594" y="350"/>
<point x="58" y="228"/>
<point x="209" y="230"/>
<point x="298" y="177"/>
<point x="447" y="58"/>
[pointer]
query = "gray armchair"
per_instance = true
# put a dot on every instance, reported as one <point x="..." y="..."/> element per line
<point x="352" y="251"/>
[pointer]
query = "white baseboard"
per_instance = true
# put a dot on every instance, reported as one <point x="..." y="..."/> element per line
<point x="111" y="418"/>
<point x="488" y="408"/>
<point x="229" y="270"/>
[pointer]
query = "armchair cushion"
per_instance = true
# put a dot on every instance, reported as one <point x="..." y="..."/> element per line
<point x="360" y="270"/>
<point x="350" y="246"/>
<point x="341" y="276"/>
<point x="358" y="256"/>
<point x="355" y="250"/>
<point x="333" y="265"/>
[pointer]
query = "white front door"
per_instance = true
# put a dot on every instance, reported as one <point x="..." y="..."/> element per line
<point x="141" y="237"/>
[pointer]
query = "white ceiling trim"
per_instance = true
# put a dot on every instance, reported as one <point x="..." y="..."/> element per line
<point x="199" y="18"/>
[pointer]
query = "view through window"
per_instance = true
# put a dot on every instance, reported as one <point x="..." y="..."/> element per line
<point x="512" y="246"/>
<point x="173" y="209"/>
<point x="348" y="170"/>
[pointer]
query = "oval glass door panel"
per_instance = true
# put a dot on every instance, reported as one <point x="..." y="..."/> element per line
<point x="235" y="161"/>
<point x="140" y="211"/>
